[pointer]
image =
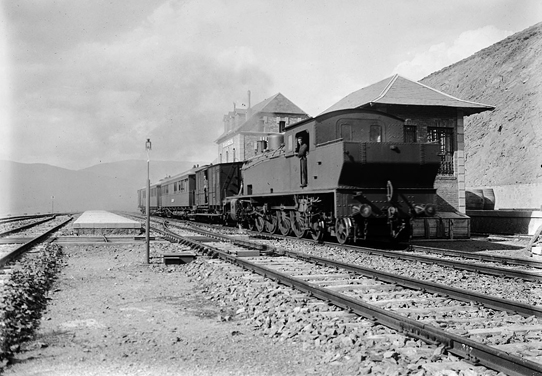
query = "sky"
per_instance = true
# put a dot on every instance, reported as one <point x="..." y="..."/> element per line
<point x="87" y="82"/>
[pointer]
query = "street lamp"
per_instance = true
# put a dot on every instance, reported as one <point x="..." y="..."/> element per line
<point x="148" y="224"/>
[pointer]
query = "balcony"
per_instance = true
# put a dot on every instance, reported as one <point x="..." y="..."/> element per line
<point x="446" y="164"/>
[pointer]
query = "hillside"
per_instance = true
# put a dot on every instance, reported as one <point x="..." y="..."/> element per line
<point x="108" y="186"/>
<point x="502" y="147"/>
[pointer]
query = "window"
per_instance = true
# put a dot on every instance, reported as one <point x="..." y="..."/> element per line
<point x="346" y="132"/>
<point x="445" y="137"/>
<point x="375" y="134"/>
<point x="282" y="125"/>
<point x="304" y="136"/>
<point x="290" y="142"/>
<point x="411" y="134"/>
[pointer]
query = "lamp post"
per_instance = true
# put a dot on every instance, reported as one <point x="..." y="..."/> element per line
<point x="52" y="204"/>
<point x="147" y="210"/>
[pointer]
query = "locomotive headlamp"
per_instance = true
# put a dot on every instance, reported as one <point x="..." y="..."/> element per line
<point x="430" y="210"/>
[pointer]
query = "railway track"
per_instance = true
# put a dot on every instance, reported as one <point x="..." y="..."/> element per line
<point x="9" y="253"/>
<point x="508" y="267"/>
<point x="10" y="228"/>
<point x="500" y="334"/>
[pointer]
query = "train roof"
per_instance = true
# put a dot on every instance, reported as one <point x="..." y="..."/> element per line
<point x="187" y="173"/>
<point x="324" y="115"/>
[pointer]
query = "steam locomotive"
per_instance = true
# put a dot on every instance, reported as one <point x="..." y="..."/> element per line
<point x="360" y="181"/>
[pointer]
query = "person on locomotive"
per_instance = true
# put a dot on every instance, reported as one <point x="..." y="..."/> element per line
<point x="301" y="152"/>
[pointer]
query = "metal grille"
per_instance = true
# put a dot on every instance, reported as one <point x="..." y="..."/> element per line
<point x="445" y="137"/>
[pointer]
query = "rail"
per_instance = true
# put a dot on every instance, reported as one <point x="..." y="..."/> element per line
<point x="25" y="247"/>
<point x="22" y="228"/>
<point x="460" y="346"/>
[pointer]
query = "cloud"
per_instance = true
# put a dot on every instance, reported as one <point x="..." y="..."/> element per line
<point x="441" y="55"/>
<point x="101" y="99"/>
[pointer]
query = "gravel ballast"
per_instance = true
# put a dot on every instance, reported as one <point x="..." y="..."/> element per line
<point x="112" y="314"/>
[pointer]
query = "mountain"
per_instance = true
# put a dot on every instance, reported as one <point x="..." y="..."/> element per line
<point x="107" y="186"/>
<point x="502" y="147"/>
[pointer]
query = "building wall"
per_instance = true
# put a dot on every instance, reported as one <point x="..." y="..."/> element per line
<point x="450" y="188"/>
<point x="230" y="148"/>
<point x="245" y="145"/>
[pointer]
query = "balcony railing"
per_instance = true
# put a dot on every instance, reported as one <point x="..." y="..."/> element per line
<point x="446" y="164"/>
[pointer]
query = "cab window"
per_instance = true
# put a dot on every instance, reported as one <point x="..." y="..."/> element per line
<point x="375" y="133"/>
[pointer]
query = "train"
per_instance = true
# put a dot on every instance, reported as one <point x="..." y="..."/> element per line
<point x="348" y="174"/>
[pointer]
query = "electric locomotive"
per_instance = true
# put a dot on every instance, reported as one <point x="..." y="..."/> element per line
<point x="360" y="180"/>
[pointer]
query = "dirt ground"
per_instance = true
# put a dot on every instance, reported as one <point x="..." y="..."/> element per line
<point x="112" y="314"/>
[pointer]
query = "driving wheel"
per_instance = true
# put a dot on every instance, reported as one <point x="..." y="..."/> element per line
<point x="284" y="223"/>
<point x="260" y="223"/>
<point x="343" y="229"/>
<point x="272" y="223"/>
<point x="298" y="225"/>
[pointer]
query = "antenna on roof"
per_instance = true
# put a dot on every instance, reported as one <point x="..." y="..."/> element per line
<point x="249" y="99"/>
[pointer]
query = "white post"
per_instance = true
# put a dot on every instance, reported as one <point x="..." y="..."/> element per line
<point x="147" y="211"/>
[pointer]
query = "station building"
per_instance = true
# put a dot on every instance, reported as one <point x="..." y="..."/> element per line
<point x="246" y="131"/>
<point x="429" y="115"/>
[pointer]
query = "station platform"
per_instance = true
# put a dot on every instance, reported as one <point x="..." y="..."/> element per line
<point x="101" y="222"/>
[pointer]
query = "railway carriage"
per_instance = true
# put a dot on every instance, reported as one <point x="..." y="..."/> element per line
<point x="198" y="193"/>
<point x="171" y="196"/>
<point x="154" y="202"/>
<point x="363" y="180"/>
<point x="177" y="194"/>
<point x="214" y="183"/>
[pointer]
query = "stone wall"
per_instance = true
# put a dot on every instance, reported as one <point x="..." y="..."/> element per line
<point x="517" y="196"/>
<point x="447" y="193"/>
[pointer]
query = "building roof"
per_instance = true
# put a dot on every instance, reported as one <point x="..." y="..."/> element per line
<point x="398" y="90"/>
<point x="277" y="104"/>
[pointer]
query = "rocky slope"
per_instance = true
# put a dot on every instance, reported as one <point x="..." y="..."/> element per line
<point x="502" y="147"/>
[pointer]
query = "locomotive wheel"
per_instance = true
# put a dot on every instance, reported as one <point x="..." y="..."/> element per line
<point x="342" y="230"/>
<point x="297" y="225"/>
<point x="284" y="223"/>
<point x="260" y="223"/>
<point x="272" y="224"/>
